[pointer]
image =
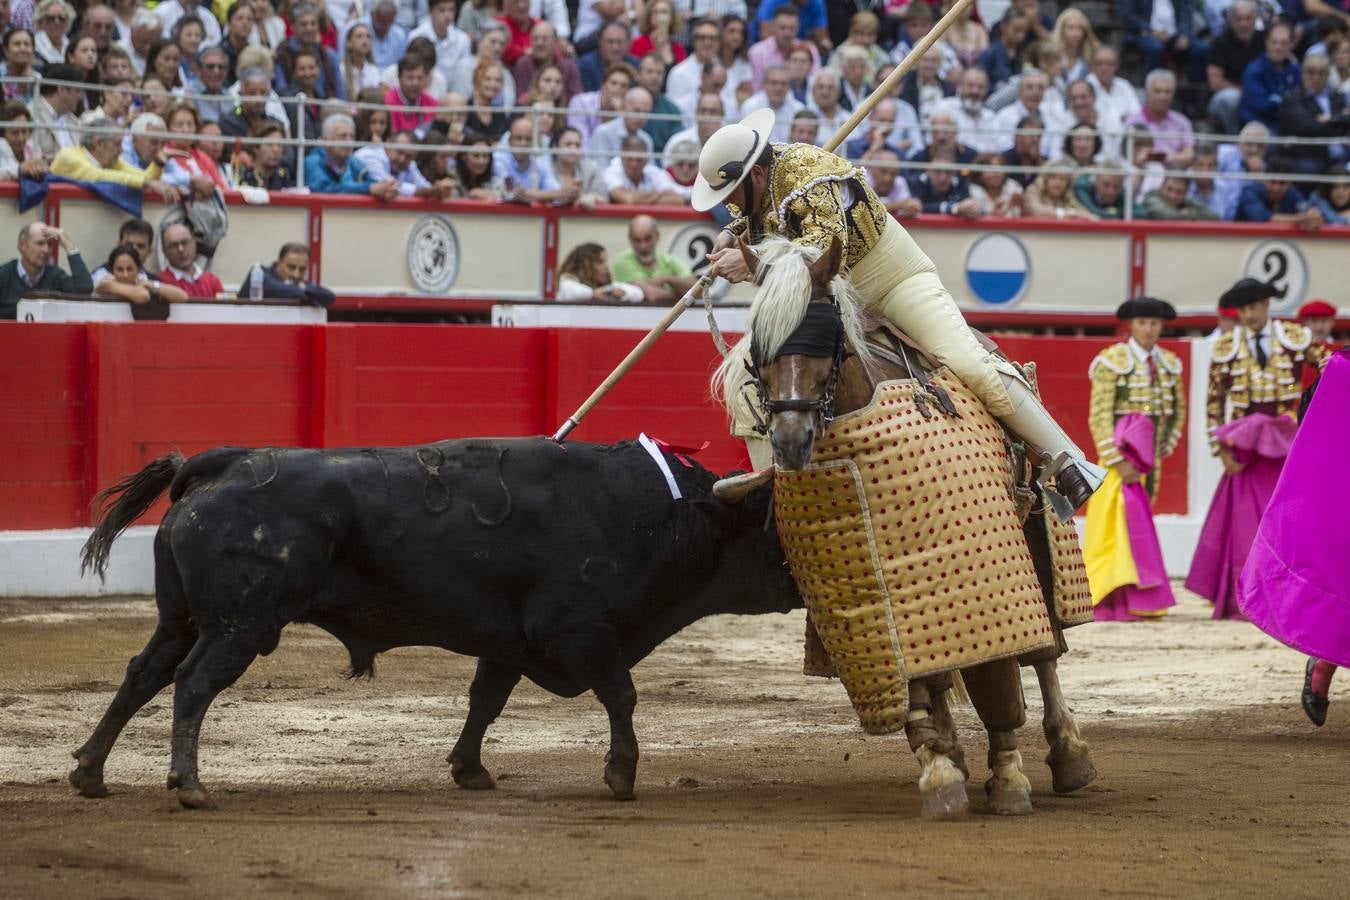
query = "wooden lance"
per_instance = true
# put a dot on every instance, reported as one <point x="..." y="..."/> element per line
<point x="695" y="293"/>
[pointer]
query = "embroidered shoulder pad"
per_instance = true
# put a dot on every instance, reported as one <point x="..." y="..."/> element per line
<point x="1293" y="335"/>
<point x="1225" y="348"/>
<point x="1170" y="361"/>
<point x="1117" y="358"/>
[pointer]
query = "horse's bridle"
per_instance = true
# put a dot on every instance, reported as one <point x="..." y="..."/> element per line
<point x="822" y="406"/>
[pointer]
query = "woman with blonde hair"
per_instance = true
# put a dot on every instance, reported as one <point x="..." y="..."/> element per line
<point x="658" y="22"/>
<point x="358" y="64"/>
<point x="53" y="18"/>
<point x="488" y="82"/>
<point x="1076" y="42"/>
<point x="1051" y="196"/>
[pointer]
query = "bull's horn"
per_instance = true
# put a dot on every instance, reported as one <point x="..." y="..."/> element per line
<point x="734" y="489"/>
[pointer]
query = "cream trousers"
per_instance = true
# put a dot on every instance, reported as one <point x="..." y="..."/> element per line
<point x="899" y="280"/>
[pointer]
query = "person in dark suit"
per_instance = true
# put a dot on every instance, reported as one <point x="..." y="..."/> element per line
<point x="1159" y="31"/>
<point x="1313" y="109"/>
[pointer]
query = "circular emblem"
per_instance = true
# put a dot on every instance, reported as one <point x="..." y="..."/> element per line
<point x="692" y="244"/>
<point x="998" y="268"/>
<point x="433" y="254"/>
<point x="1282" y="264"/>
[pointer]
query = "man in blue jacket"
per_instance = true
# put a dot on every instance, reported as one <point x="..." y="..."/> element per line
<point x="285" y="279"/>
<point x="1268" y="77"/>
<point x="1276" y="199"/>
<point x="334" y="170"/>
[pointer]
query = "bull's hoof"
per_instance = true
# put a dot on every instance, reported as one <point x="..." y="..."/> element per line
<point x="620" y="781"/>
<point x="195" y="798"/>
<point x="472" y="777"/>
<point x="87" y="778"/>
<point x="1070" y="769"/>
<point x="947" y="802"/>
<point x="1006" y="799"/>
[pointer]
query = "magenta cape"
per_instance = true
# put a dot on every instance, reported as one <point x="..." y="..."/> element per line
<point x="1261" y="443"/>
<point x="1296" y="584"/>
<point x="1151" y="595"/>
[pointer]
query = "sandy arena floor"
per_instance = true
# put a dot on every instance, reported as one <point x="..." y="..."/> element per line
<point x="755" y="781"/>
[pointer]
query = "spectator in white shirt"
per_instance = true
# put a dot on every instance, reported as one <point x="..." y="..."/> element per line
<point x="171" y="11"/>
<point x="609" y="137"/>
<point x="526" y="176"/>
<point x="826" y="91"/>
<point x="974" y="122"/>
<point x="685" y="78"/>
<point x="451" y="44"/>
<point x="1116" y="97"/>
<point x="632" y="180"/>
<point x="1030" y="96"/>
<point x="709" y="115"/>
<point x="390" y="160"/>
<point x="777" y="96"/>
<point x="584" y="275"/>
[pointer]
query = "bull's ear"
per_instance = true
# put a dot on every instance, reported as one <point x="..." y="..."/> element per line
<point x="735" y="488"/>
<point x="826" y="266"/>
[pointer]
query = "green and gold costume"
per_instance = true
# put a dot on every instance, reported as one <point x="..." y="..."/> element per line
<point x="1122" y="383"/>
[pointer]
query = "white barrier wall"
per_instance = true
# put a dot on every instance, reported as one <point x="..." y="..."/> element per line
<point x="468" y="249"/>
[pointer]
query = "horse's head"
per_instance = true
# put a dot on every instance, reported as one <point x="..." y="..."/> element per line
<point x="797" y="345"/>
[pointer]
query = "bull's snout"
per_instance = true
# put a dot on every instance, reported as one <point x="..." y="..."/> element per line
<point x="792" y="446"/>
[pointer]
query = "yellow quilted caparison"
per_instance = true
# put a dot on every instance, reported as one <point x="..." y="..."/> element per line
<point x="905" y="544"/>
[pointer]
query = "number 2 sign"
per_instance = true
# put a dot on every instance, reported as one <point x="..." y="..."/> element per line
<point x="1282" y="264"/>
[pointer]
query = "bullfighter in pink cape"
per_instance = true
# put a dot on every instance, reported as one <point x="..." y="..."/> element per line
<point x="1296" y="583"/>
<point x="1138" y="413"/>
<point x="1255" y="384"/>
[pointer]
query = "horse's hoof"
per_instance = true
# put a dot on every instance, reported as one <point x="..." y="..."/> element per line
<point x="1006" y="801"/>
<point x="195" y="798"/>
<point x="620" y="782"/>
<point x="1069" y="770"/>
<point x="87" y="780"/>
<point x="947" y="802"/>
<point x="472" y="777"/>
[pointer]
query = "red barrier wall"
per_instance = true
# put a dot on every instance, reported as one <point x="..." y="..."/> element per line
<point x="84" y="404"/>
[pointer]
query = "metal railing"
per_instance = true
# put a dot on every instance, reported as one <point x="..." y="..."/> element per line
<point x="304" y="143"/>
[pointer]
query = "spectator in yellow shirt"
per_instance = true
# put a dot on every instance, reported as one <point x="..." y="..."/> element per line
<point x="98" y="158"/>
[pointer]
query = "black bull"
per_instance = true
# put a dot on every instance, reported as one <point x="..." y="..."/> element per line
<point x="565" y="566"/>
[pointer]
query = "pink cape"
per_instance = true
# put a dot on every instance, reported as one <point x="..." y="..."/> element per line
<point x="1261" y="443"/>
<point x="1296" y="584"/>
<point x="1153" y="593"/>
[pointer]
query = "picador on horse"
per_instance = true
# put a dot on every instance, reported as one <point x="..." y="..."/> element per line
<point x="903" y="509"/>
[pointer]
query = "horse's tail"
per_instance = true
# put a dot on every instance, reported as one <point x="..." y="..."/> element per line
<point x="116" y="507"/>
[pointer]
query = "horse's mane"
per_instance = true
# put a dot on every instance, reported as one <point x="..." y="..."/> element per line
<point x="778" y="308"/>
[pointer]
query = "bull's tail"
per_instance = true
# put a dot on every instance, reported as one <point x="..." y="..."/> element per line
<point x="118" y="506"/>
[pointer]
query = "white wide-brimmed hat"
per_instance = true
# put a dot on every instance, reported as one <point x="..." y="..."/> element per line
<point x="728" y="156"/>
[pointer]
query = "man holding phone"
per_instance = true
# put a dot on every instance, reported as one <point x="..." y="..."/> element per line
<point x="34" y="269"/>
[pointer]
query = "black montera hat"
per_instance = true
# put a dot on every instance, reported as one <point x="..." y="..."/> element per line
<point x="1146" y="308"/>
<point x="1246" y="292"/>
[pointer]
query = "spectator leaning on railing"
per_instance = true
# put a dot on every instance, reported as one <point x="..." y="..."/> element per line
<point x="1276" y="199"/>
<point x="633" y="180"/>
<point x="335" y="170"/>
<point x="123" y="277"/>
<point x="1170" y="201"/>
<point x="139" y="235"/>
<point x="98" y="159"/>
<point x="34" y="270"/>
<point x="883" y="172"/>
<point x="285" y="279"/>
<point x="661" y="276"/>
<point x="942" y="189"/>
<point x="1103" y="194"/>
<point x="267" y="167"/>
<point x="185" y="269"/>
<point x="392" y="159"/>
<point x="18" y="156"/>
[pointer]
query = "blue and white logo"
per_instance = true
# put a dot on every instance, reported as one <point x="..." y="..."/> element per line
<point x="998" y="269"/>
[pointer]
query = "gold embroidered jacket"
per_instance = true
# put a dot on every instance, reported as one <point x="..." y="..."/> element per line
<point x="1121" y="384"/>
<point x="1238" y="386"/>
<point x="813" y="196"/>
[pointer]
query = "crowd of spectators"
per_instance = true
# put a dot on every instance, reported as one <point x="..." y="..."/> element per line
<point x="610" y="100"/>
